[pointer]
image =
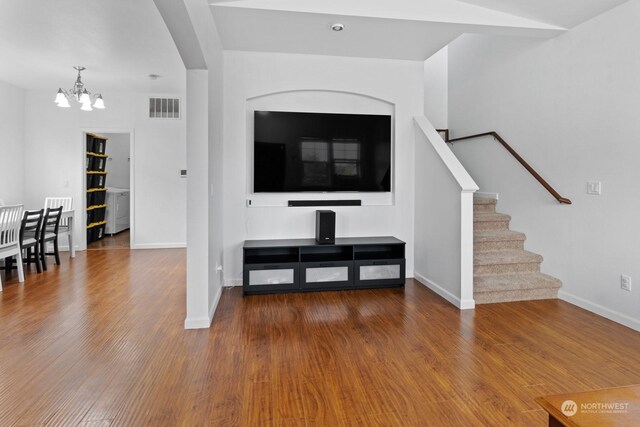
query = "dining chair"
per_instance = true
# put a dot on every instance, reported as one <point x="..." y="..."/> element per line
<point x="49" y="233"/>
<point x="10" y="221"/>
<point x="29" y="239"/>
<point x="30" y="232"/>
<point x="65" y="223"/>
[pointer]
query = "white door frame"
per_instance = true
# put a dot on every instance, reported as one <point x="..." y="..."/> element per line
<point x="82" y="218"/>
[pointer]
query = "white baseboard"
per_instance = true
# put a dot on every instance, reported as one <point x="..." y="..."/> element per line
<point x="230" y="283"/>
<point x="214" y="305"/>
<point x="196" y="323"/>
<point x="600" y="310"/>
<point x="487" y="195"/>
<point x="461" y="304"/>
<point x="204" y="322"/>
<point x="159" y="245"/>
<point x="467" y="304"/>
<point x="140" y="246"/>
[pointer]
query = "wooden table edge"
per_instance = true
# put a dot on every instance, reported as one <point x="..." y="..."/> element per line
<point x="555" y="412"/>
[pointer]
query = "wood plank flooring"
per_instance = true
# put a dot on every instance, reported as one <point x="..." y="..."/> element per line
<point x="117" y="241"/>
<point x="99" y="341"/>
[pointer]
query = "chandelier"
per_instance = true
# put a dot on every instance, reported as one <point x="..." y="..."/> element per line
<point x="80" y="94"/>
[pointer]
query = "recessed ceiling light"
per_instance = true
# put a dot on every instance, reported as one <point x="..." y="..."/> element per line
<point x="337" y="27"/>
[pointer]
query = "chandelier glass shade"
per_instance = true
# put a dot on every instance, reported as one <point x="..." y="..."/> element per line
<point x="80" y="94"/>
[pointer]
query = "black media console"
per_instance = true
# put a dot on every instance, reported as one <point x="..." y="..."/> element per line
<point x="301" y="265"/>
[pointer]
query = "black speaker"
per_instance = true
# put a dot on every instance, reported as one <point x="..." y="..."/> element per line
<point x="306" y="203"/>
<point x="326" y="227"/>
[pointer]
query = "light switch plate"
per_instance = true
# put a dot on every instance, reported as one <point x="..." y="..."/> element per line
<point x="594" y="187"/>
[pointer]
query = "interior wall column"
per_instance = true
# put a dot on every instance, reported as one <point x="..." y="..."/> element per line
<point x="198" y="315"/>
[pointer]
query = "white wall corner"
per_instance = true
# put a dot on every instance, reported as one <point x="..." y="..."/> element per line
<point x="197" y="323"/>
<point x="199" y="297"/>
<point x="600" y="310"/>
<point x="466" y="249"/>
<point x="158" y="245"/>
<point x="467" y="304"/>
<point x="430" y="284"/>
<point x="230" y="283"/>
<point x="436" y="88"/>
<point x="204" y="322"/>
<point x="214" y="305"/>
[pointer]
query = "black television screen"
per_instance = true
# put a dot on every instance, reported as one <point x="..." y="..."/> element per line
<point x="321" y="152"/>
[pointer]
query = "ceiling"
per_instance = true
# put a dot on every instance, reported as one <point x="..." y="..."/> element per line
<point x="120" y="42"/>
<point x="390" y="29"/>
<point x="564" y="13"/>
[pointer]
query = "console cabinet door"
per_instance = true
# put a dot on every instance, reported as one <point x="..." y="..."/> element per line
<point x="258" y="278"/>
<point x="326" y="275"/>
<point x="379" y="273"/>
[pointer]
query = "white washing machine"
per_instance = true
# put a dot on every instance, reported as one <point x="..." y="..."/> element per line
<point x="118" y="205"/>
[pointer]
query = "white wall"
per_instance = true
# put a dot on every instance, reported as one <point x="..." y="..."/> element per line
<point x="198" y="42"/>
<point x="11" y="144"/>
<point x="194" y="32"/>
<point x="436" y="95"/>
<point x="216" y="169"/>
<point x="198" y="212"/>
<point x="315" y="83"/>
<point x="54" y="153"/>
<point x="570" y="107"/>
<point x="443" y="219"/>
<point x="118" y="162"/>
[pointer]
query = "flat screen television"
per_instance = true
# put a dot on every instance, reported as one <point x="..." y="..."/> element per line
<point x="297" y="152"/>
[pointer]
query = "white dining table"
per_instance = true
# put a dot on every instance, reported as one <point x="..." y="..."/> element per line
<point x="70" y="215"/>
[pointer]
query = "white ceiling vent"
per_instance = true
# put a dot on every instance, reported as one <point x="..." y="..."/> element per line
<point x="164" y="108"/>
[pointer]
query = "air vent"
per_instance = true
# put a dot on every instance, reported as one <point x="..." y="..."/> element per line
<point x="164" y="108"/>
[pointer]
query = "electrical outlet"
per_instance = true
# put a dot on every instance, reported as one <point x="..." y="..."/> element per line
<point x="625" y="283"/>
<point x="594" y="187"/>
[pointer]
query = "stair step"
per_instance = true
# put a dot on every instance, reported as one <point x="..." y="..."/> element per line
<point x="483" y="204"/>
<point x="490" y="221"/>
<point x="505" y="262"/>
<point x="484" y="208"/>
<point x="514" y="287"/>
<point x="502" y="270"/>
<point x="515" y="295"/>
<point x="514" y="282"/>
<point x="484" y="201"/>
<point x="497" y="240"/>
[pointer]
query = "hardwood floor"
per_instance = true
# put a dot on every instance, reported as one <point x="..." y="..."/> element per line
<point x="117" y="241"/>
<point x="99" y="341"/>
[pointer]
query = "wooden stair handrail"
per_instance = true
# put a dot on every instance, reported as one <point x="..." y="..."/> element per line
<point x="446" y="134"/>
<point x="513" y="152"/>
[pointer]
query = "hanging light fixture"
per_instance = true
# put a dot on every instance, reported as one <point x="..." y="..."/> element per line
<point x="80" y="94"/>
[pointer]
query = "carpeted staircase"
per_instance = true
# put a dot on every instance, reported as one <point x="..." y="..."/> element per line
<point x="502" y="270"/>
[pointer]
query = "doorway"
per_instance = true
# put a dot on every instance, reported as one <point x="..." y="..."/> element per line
<point x="109" y="201"/>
